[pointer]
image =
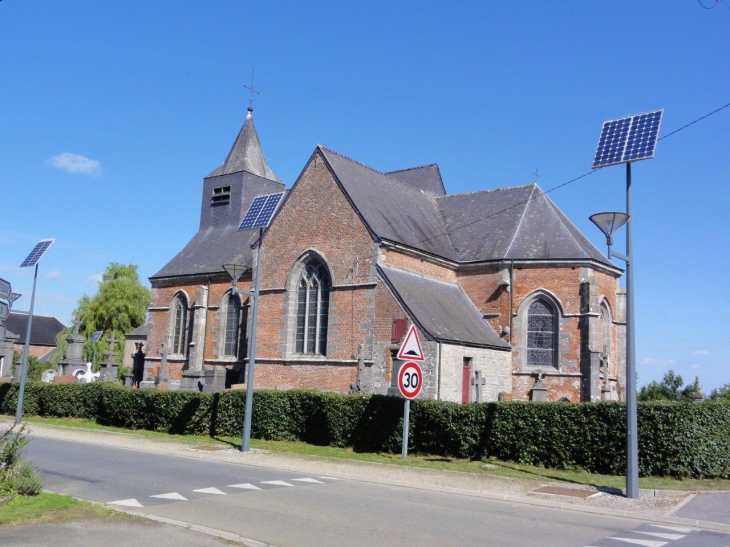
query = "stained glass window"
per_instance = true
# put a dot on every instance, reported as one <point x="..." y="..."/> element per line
<point x="233" y="322"/>
<point x="179" y="317"/>
<point x="312" y="310"/>
<point x="541" y="334"/>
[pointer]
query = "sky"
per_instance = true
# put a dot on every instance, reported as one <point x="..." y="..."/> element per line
<point x="111" y="114"/>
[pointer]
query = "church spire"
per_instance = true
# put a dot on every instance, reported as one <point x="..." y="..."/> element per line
<point x="246" y="153"/>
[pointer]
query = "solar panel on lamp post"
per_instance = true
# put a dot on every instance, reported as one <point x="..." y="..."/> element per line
<point x="626" y="140"/>
<point x="32" y="259"/>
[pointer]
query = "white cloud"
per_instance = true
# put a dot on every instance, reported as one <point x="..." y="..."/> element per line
<point x="95" y="278"/>
<point x="76" y="164"/>
<point x="701" y="352"/>
<point x="54" y="274"/>
<point x="653" y="361"/>
<point x="694" y="366"/>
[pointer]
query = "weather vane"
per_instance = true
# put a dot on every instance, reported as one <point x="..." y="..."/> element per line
<point x="252" y="90"/>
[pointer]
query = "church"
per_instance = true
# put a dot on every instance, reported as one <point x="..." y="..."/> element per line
<point x="510" y="301"/>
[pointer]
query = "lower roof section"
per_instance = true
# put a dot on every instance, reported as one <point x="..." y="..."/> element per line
<point x="441" y="309"/>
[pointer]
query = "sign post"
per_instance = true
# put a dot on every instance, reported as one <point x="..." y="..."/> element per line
<point x="410" y="378"/>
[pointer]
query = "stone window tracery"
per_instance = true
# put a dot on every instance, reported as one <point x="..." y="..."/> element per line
<point x="179" y="325"/>
<point x="312" y="309"/>
<point x="542" y="324"/>
<point x="232" y="326"/>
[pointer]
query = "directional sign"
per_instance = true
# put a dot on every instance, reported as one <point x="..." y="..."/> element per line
<point x="411" y="347"/>
<point x="410" y="379"/>
<point x="4" y="311"/>
<point x="5" y="289"/>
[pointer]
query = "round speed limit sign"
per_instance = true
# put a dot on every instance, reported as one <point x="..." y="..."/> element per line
<point x="410" y="380"/>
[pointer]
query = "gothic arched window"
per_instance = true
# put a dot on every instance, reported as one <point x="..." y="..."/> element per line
<point x="542" y="334"/>
<point x="179" y="312"/>
<point x="232" y="326"/>
<point x="313" y="292"/>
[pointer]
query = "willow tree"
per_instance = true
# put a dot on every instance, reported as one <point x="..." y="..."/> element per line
<point x="119" y="306"/>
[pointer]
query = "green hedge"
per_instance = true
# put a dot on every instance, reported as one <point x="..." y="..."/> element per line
<point x="675" y="439"/>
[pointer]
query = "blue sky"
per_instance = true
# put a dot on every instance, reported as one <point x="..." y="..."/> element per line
<point x="111" y="113"/>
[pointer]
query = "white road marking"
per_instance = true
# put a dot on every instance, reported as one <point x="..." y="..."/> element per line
<point x="644" y="542"/>
<point x="170" y="496"/>
<point x="660" y="535"/>
<point x="210" y="491"/>
<point x="674" y="528"/>
<point x="246" y="485"/>
<point x="308" y="480"/>
<point x="277" y="483"/>
<point x="332" y="478"/>
<point x="127" y="503"/>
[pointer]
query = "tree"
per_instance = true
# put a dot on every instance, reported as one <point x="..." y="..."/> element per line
<point x="119" y="306"/>
<point x="669" y="389"/>
<point x="721" y="393"/>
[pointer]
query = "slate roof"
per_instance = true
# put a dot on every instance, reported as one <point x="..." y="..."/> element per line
<point x="441" y="309"/>
<point x="519" y="223"/>
<point x="43" y="330"/>
<point x="391" y="209"/>
<point x="246" y="154"/>
<point x="425" y="177"/>
<point x="209" y="249"/>
<point x="142" y="331"/>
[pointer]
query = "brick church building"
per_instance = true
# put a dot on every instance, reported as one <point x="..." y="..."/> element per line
<point x="500" y="285"/>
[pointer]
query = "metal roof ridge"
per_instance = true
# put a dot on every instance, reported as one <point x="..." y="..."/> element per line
<point x="522" y="217"/>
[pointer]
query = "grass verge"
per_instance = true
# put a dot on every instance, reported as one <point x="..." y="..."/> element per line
<point x="488" y="467"/>
<point x="48" y="508"/>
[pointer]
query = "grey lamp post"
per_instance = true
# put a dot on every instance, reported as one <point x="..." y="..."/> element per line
<point x="236" y="271"/>
<point x="609" y="224"/>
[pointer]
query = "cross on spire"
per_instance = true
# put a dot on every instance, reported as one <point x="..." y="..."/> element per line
<point x="251" y="90"/>
<point x="537" y="175"/>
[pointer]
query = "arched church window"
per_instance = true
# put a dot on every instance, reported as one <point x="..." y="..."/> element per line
<point x="179" y="310"/>
<point x="541" y="334"/>
<point x="312" y="309"/>
<point x="232" y="326"/>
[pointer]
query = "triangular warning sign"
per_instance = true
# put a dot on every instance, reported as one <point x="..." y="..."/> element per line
<point x="411" y="350"/>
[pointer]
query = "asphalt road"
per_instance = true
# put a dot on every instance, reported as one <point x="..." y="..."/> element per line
<point x="288" y="509"/>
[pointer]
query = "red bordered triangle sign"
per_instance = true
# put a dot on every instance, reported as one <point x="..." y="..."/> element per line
<point x="411" y="350"/>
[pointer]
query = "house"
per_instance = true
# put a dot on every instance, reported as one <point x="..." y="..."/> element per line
<point x="42" y="338"/>
<point x="502" y="288"/>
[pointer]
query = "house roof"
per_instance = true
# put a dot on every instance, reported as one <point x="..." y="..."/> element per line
<point x="519" y="223"/>
<point x="209" y="249"/>
<point x="425" y="177"/>
<point x="140" y="332"/>
<point x="441" y="309"/>
<point x="246" y="154"/>
<point x="43" y="330"/>
<point x="392" y="209"/>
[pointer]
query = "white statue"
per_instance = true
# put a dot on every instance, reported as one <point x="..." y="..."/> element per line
<point x="86" y="376"/>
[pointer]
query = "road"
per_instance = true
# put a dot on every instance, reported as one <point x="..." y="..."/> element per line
<point x="289" y="509"/>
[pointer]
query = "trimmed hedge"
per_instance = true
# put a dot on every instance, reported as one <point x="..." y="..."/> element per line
<point x="675" y="439"/>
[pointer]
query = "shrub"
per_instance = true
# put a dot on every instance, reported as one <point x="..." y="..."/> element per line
<point x="675" y="439"/>
<point x="24" y="479"/>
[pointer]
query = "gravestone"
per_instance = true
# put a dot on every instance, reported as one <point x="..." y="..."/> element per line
<point x="163" y="377"/>
<point x="109" y="367"/>
<point x="478" y="381"/>
<point x="48" y="375"/>
<point x="137" y="365"/>
<point x="539" y="390"/>
<point x="73" y="360"/>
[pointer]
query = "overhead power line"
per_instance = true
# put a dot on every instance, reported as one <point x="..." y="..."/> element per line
<point x="571" y="181"/>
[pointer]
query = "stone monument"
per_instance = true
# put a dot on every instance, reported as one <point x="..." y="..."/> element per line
<point x="109" y="367"/>
<point x="73" y="360"/>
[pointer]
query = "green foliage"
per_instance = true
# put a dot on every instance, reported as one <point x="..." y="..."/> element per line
<point x="16" y="475"/>
<point x="721" y="393"/>
<point x="675" y="438"/>
<point x="669" y="389"/>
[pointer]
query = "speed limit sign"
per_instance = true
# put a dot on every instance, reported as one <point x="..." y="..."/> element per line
<point x="410" y="380"/>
